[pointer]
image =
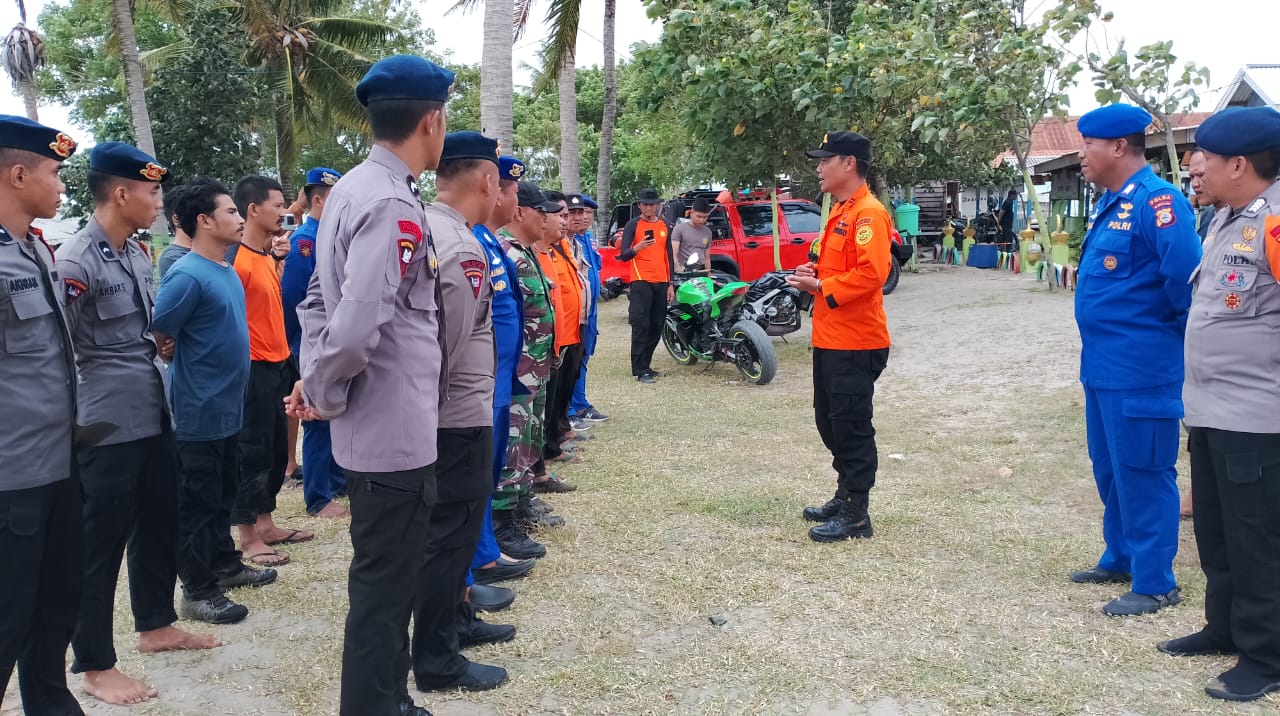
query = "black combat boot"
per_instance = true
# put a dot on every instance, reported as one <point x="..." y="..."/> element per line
<point x="850" y="522"/>
<point x="512" y="539"/>
<point x="825" y="512"/>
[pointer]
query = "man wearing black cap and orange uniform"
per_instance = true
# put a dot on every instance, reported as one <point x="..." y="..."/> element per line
<point x="39" y="487"/>
<point x="1232" y="415"/>
<point x="646" y="245"/>
<point x="130" y="480"/>
<point x="850" y="335"/>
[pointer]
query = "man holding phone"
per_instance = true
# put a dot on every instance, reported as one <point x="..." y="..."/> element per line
<point x="650" y="289"/>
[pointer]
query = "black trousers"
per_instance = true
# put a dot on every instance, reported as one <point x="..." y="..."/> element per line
<point x="264" y="450"/>
<point x="843" y="387"/>
<point x="390" y="514"/>
<point x="130" y="499"/>
<point x="646" y="313"/>
<point x="559" y="395"/>
<point x="40" y="552"/>
<point x="464" y="484"/>
<point x="208" y="472"/>
<point x="1235" y="492"/>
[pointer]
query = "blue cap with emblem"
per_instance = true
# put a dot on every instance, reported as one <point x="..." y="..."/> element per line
<point x="1114" y="121"/>
<point x="404" y="77"/>
<point x="322" y="176"/>
<point x="1238" y="131"/>
<point x="510" y="168"/>
<point x="123" y="160"/>
<point x="470" y="145"/>
<point x="22" y="133"/>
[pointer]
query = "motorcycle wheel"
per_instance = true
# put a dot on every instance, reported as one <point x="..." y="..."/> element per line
<point x="895" y="274"/>
<point x="678" y="349"/>
<point x="754" y="357"/>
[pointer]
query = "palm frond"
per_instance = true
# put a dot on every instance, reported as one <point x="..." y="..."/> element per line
<point x="331" y="76"/>
<point x="520" y="20"/>
<point x="463" y="6"/>
<point x="560" y="47"/>
<point x="163" y="56"/>
<point x="353" y="33"/>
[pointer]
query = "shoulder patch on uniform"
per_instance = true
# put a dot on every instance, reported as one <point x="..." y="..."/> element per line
<point x="75" y="288"/>
<point x="864" y="235"/>
<point x="474" y="270"/>
<point x="1163" y="207"/>
<point x="407" y="244"/>
<point x="1271" y="227"/>
<point x="864" y="221"/>
<point x="305" y="247"/>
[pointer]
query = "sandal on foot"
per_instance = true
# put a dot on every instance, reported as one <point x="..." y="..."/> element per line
<point x="256" y="558"/>
<point x="294" y="537"/>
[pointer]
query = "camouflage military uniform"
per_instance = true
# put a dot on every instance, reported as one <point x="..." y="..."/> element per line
<point x="528" y="408"/>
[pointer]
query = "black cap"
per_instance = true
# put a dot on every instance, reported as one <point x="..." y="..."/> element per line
<point x="701" y="205"/>
<point x="22" y="133"/>
<point x="575" y="201"/>
<point x="649" y="196"/>
<point x="122" y="160"/>
<point x="529" y="195"/>
<point x="843" y="144"/>
<point x="469" y="145"/>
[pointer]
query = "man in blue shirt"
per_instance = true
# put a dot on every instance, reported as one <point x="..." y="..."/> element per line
<point x="322" y="479"/>
<point x="1131" y="306"/>
<point x="200" y="305"/>
<point x="581" y="214"/>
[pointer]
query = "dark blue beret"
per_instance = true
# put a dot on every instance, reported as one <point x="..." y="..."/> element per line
<point x="469" y="145"/>
<point x="591" y="203"/>
<point x="322" y="176"/>
<point x="404" y="77"/>
<point x="21" y="133"/>
<point x="1238" y="131"/>
<point x="510" y="168"/>
<point x="1114" y="121"/>
<point x="123" y="160"/>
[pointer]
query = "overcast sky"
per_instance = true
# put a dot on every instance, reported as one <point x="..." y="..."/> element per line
<point x="1224" y="35"/>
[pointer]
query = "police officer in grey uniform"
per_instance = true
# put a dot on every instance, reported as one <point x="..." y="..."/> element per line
<point x="1232" y="398"/>
<point x="467" y="191"/>
<point x="130" y="479"/>
<point x="372" y="365"/>
<point x="40" y="536"/>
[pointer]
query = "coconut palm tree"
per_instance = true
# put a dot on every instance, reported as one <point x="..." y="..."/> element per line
<point x="122" y="21"/>
<point x="559" y="50"/>
<point x="604" y="168"/>
<point x="312" y="61"/>
<point x="23" y="55"/>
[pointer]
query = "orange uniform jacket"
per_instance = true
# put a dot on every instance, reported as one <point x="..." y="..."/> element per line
<point x="852" y="266"/>
<point x="566" y="295"/>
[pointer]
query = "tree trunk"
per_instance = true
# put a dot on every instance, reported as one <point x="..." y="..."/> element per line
<point x="28" y="88"/>
<point x="1175" y="163"/>
<point x="122" y="18"/>
<point x="604" y="168"/>
<point x="496" y="82"/>
<point x="286" y="148"/>
<point x="570" y="181"/>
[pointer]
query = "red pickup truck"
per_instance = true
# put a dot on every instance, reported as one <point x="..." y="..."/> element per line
<point x="742" y="243"/>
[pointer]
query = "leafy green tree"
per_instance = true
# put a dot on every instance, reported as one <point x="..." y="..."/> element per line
<point x="1149" y="78"/>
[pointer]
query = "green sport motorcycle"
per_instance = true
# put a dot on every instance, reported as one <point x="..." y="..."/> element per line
<point x="704" y="325"/>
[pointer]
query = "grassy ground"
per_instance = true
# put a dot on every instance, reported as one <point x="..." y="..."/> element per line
<point x="688" y="509"/>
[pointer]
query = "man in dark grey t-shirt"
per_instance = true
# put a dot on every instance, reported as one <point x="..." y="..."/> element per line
<point x="693" y="235"/>
<point x="181" y="244"/>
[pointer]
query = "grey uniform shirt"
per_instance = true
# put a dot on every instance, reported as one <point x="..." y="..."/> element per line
<point x="468" y="299"/>
<point x="691" y="238"/>
<point x="1232" y="342"/>
<point x="37" y="371"/>
<point x="171" y="253"/>
<point x="109" y="299"/>
<point x="371" y="346"/>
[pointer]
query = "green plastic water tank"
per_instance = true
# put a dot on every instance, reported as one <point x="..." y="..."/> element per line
<point x="908" y="216"/>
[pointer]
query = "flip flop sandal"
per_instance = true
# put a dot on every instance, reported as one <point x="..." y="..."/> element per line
<point x="254" y="558"/>
<point x="294" y="537"/>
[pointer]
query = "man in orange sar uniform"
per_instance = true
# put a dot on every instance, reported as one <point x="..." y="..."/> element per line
<point x="850" y="336"/>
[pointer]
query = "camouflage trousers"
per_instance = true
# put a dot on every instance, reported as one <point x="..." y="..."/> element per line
<point x="524" y="446"/>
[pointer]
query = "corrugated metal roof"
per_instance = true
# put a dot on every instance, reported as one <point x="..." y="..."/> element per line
<point x="1253" y="86"/>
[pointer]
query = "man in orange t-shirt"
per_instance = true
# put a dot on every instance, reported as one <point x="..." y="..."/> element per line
<point x="258" y="261"/>
<point x="646" y="245"/>
<point x="850" y="336"/>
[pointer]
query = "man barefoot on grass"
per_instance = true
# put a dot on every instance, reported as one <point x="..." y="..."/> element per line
<point x="130" y="480"/>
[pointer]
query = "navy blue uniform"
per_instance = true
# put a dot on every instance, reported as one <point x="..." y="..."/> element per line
<point x="1131" y="306"/>
<point x="587" y="241"/>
